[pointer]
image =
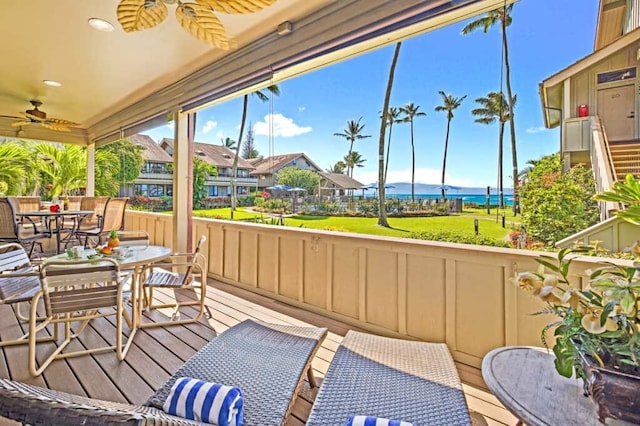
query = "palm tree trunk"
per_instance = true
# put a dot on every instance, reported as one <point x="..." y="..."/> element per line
<point x="234" y="170"/>
<point x="382" y="172"/>
<point x="386" y="162"/>
<point x="500" y="162"/>
<point x="413" y="165"/>
<point x="512" y="124"/>
<point x="444" y="159"/>
<point x="349" y="166"/>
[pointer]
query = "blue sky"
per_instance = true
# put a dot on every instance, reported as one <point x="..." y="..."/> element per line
<point x="545" y="37"/>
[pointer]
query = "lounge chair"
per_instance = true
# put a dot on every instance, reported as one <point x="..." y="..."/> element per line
<point x="396" y="379"/>
<point x="267" y="362"/>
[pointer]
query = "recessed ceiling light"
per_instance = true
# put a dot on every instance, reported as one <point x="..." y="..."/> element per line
<point x="52" y="83"/>
<point x="100" y="25"/>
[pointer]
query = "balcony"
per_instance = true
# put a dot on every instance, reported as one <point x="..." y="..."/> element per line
<point x="158" y="352"/>
<point x="441" y="292"/>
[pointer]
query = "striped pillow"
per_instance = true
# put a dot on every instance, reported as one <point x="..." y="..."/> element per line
<point x="374" y="421"/>
<point x="205" y="402"/>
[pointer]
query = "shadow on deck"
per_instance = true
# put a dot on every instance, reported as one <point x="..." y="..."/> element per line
<point x="158" y="352"/>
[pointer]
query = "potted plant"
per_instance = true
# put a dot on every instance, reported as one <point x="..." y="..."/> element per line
<point x="597" y="333"/>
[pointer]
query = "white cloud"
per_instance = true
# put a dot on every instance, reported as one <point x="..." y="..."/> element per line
<point x="536" y="129"/>
<point x="423" y="175"/>
<point x="301" y="108"/>
<point x="209" y="126"/>
<point x="281" y="125"/>
<point x="171" y="125"/>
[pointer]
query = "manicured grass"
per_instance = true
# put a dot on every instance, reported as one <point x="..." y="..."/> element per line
<point x="401" y="227"/>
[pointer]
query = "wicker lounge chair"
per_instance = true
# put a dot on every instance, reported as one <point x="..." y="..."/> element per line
<point x="267" y="362"/>
<point x="395" y="379"/>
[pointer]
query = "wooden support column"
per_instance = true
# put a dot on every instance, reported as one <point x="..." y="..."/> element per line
<point x="91" y="170"/>
<point x="183" y="181"/>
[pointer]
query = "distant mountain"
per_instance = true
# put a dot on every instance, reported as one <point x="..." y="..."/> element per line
<point x="423" y="188"/>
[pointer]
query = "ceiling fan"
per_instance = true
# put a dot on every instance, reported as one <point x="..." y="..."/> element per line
<point x="197" y="18"/>
<point x="36" y="116"/>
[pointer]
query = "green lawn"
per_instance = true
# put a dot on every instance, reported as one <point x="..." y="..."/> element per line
<point x="401" y="227"/>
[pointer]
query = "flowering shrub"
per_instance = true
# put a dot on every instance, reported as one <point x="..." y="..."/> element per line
<point x="154" y="204"/>
<point x="601" y="321"/>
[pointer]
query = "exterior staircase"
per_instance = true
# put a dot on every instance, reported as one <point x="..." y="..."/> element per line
<point x="625" y="156"/>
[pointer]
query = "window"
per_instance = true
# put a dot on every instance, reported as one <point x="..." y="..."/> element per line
<point x="213" y="191"/>
<point x="619" y="75"/>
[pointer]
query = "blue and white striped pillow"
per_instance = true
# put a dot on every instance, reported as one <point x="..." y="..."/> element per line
<point x="374" y="421"/>
<point x="205" y="402"/>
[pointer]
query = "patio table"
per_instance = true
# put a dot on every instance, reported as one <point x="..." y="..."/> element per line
<point x="58" y="217"/>
<point x="525" y="380"/>
<point x="136" y="258"/>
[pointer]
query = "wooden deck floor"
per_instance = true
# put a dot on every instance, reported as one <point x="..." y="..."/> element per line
<point x="158" y="352"/>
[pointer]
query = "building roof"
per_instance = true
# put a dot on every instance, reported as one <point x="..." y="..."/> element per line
<point x="152" y="151"/>
<point x="270" y="165"/>
<point x="218" y="155"/>
<point x="551" y="89"/>
<point x="341" y="181"/>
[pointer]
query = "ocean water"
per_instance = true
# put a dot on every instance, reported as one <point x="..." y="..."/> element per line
<point x="467" y="198"/>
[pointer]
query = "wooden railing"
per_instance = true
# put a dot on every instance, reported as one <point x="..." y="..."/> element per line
<point x="442" y="292"/>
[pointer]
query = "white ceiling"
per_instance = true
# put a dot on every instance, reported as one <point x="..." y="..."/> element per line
<point x="115" y="80"/>
<point x="103" y="72"/>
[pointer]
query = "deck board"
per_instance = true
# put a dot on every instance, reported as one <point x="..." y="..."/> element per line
<point x="157" y="353"/>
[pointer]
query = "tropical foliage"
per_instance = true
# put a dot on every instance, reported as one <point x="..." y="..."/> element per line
<point x="201" y="170"/>
<point x="494" y="107"/>
<point x="352" y="133"/>
<point x="627" y="193"/>
<point x="601" y="321"/>
<point x="274" y="90"/>
<point x="339" y="167"/>
<point x="503" y="18"/>
<point x="15" y="169"/>
<point x="354" y="159"/>
<point x="556" y="204"/>
<point x="410" y="112"/>
<point x="298" y="178"/>
<point x="449" y="104"/>
<point x="391" y="117"/>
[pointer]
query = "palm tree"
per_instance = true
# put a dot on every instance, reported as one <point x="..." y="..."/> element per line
<point x="337" y="168"/>
<point x="228" y="143"/>
<point x="503" y="16"/>
<point x="449" y="104"/>
<point x="351" y="134"/>
<point x="410" y="111"/>
<point x="392" y="116"/>
<point x="353" y="160"/>
<point x="382" y="176"/>
<point x="14" y="165"/>
<point x="64" y="168"/>
<point x="274" y="90"/>
<point x="495" y="107"/>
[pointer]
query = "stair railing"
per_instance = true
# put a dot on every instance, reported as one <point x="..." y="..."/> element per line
<point x="603" y="167"/>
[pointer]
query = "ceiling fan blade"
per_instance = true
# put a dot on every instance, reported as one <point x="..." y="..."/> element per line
<point x="201" y="23"/>
<point x="55" y="126"/>
<point x="60" y="121"/>
<point x="136" y="15"/>
<point x="236" y="6"/>
<point x="21" y="123"/>
<point x="33" y="117"/>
